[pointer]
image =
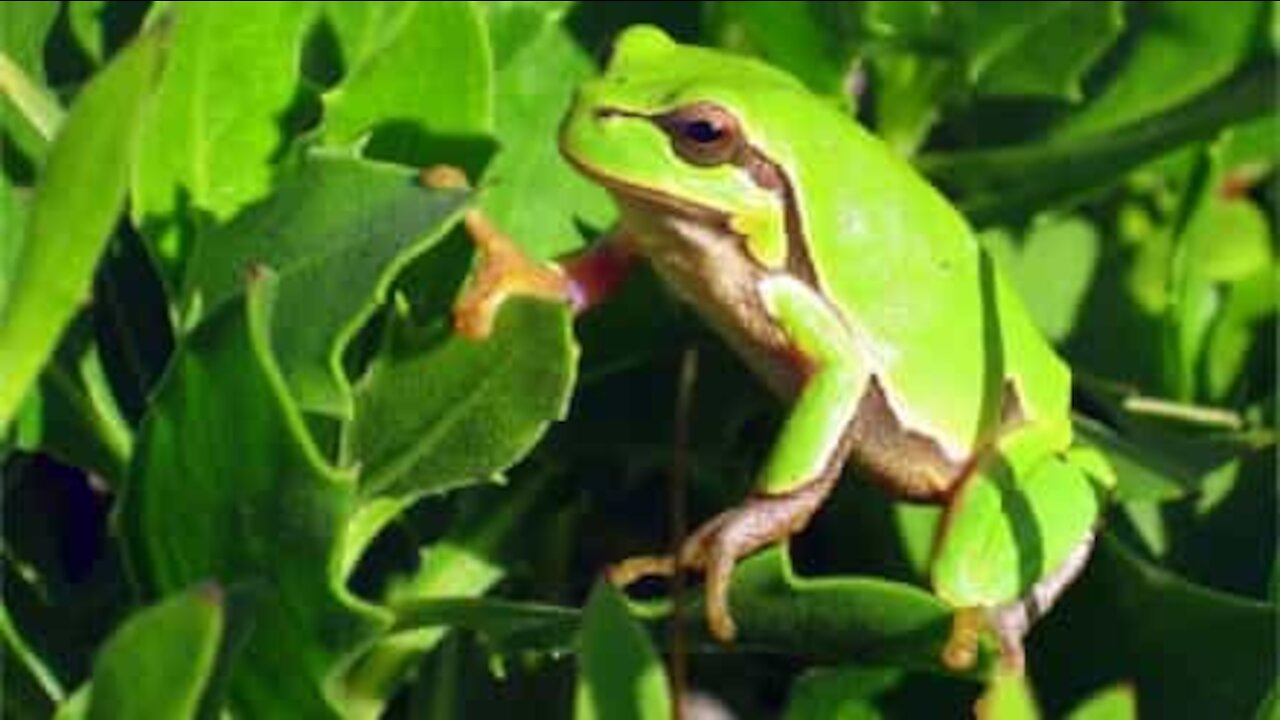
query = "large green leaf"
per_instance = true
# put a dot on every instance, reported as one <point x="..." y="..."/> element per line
<point x="215" y="125"/>
<point x="417" y="83"/>
<point x="227" y="485"/>
<point x="334" y="232"/>
<point x="867" y="619"/>
<point x="79" y="195"/>
<point x="619" y="675"/>
<point x="437" y="410"/>
<point x="159" y="662"/>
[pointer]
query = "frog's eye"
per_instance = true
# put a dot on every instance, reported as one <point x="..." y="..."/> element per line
<point x="703" y="133"/>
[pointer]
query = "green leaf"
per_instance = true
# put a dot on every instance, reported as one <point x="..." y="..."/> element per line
<point x="87" y="20"/>
<point x="1018" y="180"/>
<point x="1180" y="50"/>
<point x="418" y="81"/>
<point x="506" y="626"/>
<point x="24" y="28"/>
<point x="160" y="661"/>
<point x="14" y="208"/>
<point x="227" y="485"/>
<point x="619" y="675"/>
<point x="1008" y="697"/>
<point x="839" y="693"/>
<point x="795" y="37"/>
<point x="334" y="231"/>
<point x="466" y="562"/>
<point x="1034" y="49"/>
<point x="513" y="24"/>
<point x="837" y="618"/>
<point x="1008" y="528"/>
<point x="1114" y="703"/>
<point x="438" y="411"/>
<point x="1051" y="266"/>
<point x="215" y="124"/>
<point x="78" y="198"/>
<point x="532" y="89"/>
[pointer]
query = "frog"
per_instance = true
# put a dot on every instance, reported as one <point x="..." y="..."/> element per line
<point x="858" y="294"/>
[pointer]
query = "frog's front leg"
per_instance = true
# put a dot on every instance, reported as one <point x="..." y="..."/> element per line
<point x="803" y="466"/>
<point x="504" y="271"/>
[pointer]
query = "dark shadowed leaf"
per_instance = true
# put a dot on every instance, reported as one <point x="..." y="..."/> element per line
<point x="334" y="231"/>
<point x="227" y="485"/>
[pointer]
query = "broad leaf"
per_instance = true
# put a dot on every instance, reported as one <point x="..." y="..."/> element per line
<point x="401" y="60"/>
<point x="437" y="410"/>
<point x="215" y="125"/>
<point x="227" y="485"/>
<point x="334" y="231"/>
<point x="532" y="91"/>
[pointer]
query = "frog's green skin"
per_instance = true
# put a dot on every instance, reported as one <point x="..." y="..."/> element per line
<point x="840" y="275"/>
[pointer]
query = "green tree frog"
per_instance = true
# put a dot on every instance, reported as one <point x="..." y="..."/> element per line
<point x="859" y="295"/>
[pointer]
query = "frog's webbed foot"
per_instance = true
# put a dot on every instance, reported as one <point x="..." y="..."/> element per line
<point x="718" y="544"/>
<point x="1011" y="622"/>
<point x="504" y="270"/>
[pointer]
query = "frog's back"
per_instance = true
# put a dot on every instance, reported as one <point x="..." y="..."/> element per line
<point x="946" y="332"/>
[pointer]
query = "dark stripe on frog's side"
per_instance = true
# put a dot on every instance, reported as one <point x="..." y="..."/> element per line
<point x="768" y="175"/>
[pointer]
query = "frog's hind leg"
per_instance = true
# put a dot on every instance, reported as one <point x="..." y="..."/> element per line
<point x="1016" y="535"/>
<point x="1012" y="621"/>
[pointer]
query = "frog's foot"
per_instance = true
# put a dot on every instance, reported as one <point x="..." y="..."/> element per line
<point x="718" y="544"/>
<point x="504" y="270"/>
<point x="1011" y="622"/>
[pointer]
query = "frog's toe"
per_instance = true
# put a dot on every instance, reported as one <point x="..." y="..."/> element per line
<point x="634" y="569"/>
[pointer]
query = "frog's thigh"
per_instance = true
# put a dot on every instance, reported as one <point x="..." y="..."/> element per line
<point x="813" y="441"/>
<point x="1016" y="534"/>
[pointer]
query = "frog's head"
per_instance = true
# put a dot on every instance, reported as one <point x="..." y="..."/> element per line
<point x="682" y="131"/>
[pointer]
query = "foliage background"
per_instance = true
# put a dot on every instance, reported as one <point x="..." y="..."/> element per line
<point x="247" y="466"/>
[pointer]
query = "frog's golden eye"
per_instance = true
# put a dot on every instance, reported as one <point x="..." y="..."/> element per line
<point x="703" y="133"/>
